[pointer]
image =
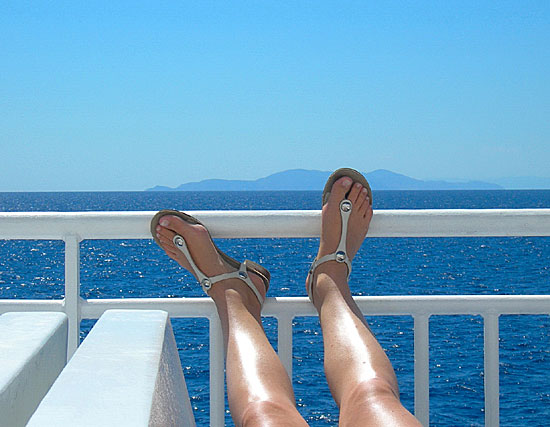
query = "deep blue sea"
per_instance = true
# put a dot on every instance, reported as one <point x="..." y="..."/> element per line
<point x="407" y="266"/>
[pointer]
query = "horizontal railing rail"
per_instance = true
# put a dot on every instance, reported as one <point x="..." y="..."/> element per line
<point x="73" y="227"/>
<point x="279" y="224"/>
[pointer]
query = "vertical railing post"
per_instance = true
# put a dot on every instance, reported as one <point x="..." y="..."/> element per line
<point x="217" y="379"/>
<point x="284" y="341"/>
<point x="491" y="369"/>
<point x="72" y="291"/>
<point x="422" y="368"/>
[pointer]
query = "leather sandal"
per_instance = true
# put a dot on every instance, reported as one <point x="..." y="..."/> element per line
<point x="243" y="269"/>
<point x="346" y="207"/>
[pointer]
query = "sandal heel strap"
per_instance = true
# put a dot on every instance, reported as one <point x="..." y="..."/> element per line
<point x="330" y="257"/>
<point x="207" y="282"/>
<point x="241" y="274"/>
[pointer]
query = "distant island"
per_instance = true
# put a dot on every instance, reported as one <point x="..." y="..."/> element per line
<point x="302" y="180"/>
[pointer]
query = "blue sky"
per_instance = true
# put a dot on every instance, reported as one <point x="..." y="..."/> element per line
<point x="107" y="95"/>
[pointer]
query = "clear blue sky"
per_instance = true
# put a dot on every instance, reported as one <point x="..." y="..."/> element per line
<point x="115" y="95"/>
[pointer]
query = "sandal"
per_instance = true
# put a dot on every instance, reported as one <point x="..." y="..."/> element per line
<point x="340" y="255"/>
<point x="242" y="269"/>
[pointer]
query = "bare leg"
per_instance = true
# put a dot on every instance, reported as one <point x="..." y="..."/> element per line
<point x="259" y="390"/>
<point x="359" y="374"/>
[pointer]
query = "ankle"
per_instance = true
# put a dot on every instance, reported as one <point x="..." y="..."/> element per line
<point x="333" y="272"/>
<point x="234" y="293"/>
<point x="330" y="280"/>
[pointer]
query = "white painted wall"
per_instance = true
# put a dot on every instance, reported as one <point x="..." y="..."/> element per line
<point x="126" y="373"/>
<point x="33" y="351"/>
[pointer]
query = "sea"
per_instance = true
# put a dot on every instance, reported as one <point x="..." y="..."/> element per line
<point x="383" y="266"/>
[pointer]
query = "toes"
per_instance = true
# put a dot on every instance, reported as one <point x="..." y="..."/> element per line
<point x="362" y="201"/>
<point x="173" y="223"/>
<point x="170" y="226"/>
<point x="167" y="245"/>
<point x="355" y="194"/>
<point x="345" y="188"/>
<point x="166" y="238"/>
<point x="339" y="190"/>
<point x="368" y="208"/>
<point x="163" y="232"/>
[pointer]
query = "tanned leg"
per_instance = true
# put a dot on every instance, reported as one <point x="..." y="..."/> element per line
<point x="259" y="390"/>
<point x="359" y="374"/>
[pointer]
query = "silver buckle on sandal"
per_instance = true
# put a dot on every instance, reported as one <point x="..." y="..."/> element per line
<point x="345" y="205"/>
<point x="340" y="256"/>
<point x="206" y="284"/>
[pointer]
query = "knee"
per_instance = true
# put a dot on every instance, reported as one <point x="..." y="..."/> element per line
<point x="265" y="413"/>
<point x="374" y="402"/>
<point x="372" y="390"/>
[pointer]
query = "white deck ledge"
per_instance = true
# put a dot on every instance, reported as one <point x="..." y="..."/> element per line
<point x="127" y="372"/>
<point x="33" y="351"/>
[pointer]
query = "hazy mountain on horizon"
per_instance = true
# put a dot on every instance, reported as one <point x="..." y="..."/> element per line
<point x="301" y="179"/>
<point x="524" y="183"/>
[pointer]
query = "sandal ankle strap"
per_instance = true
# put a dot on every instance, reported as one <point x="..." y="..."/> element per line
<point x="340" y="255"/>
<point x="207" y="282"/>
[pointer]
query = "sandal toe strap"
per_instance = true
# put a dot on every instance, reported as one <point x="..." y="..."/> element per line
<point x="340" y="255"/>
<point x="207" y="282"/>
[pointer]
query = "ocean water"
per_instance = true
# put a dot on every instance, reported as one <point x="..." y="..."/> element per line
<point x="407" y="266"/>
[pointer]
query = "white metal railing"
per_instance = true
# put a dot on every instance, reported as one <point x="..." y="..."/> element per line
<point x="72" y="228"/>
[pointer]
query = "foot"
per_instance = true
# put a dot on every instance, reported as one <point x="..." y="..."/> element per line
<point x="205" y="256"/>
<point x="331" y="227"/>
